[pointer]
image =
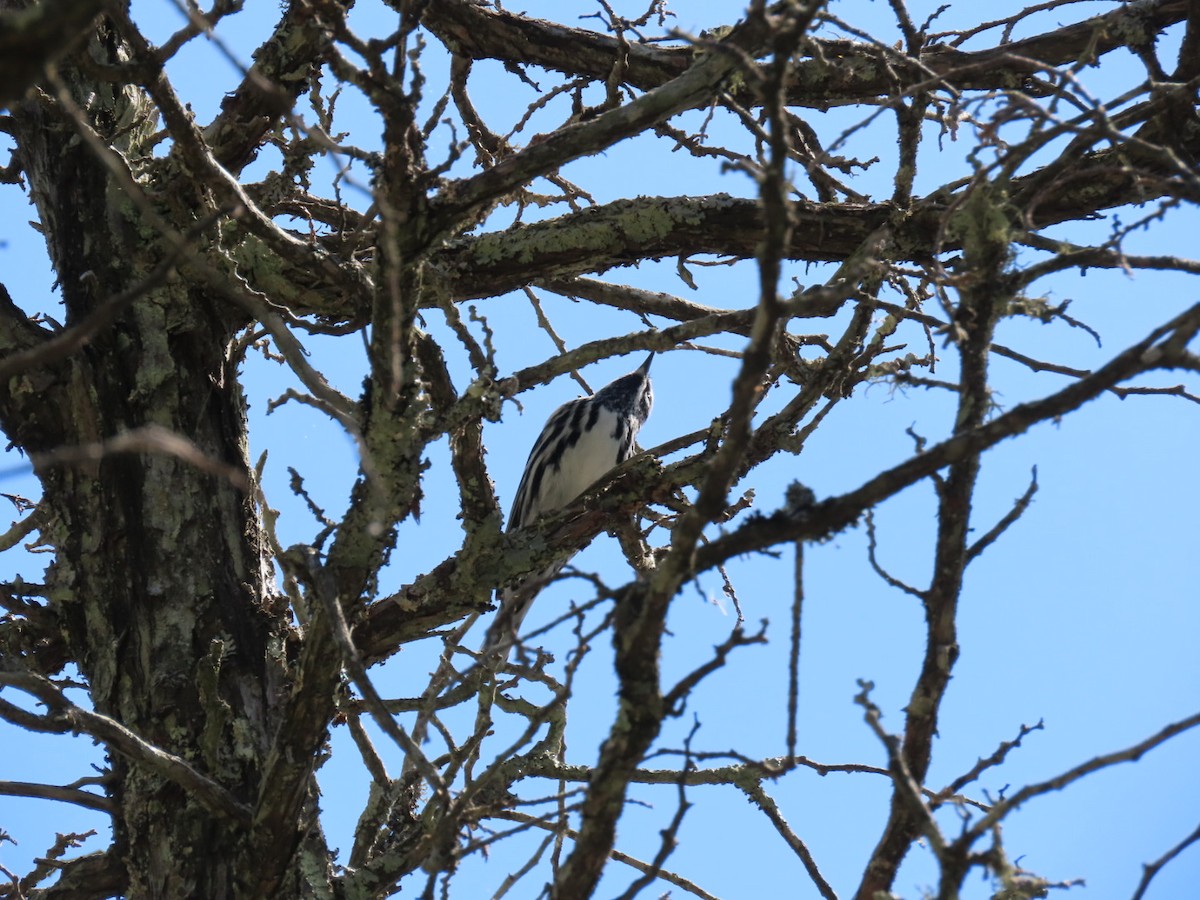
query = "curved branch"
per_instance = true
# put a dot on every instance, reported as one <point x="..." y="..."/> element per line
<point x="464" y="199"/>
<point x="65" y="716"/>
<point x="837" y="70"/>
<point x="837" y="513"/>
<point x="57" y="792"/>
<point x="281" y="72"/>
<point x="1130" y="754"/>
<point x="442" y="595"/>
<point x="630" y="230"/>
<point x="91" y="877"/>
<point x="1149" y="870"/>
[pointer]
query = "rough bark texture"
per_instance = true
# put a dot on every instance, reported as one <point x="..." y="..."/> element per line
<point x="160" y="582"/>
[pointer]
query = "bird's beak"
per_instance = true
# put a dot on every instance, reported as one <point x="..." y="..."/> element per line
<point x="644" y="368"/>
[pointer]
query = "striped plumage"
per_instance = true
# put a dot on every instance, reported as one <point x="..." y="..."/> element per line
<point x="579" y="444"/>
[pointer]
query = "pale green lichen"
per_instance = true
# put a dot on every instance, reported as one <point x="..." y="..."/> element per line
<point x="616" y="226"/>
<point x="1134" y="28"/>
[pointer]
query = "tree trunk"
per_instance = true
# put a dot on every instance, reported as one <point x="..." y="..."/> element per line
<point x="161" y="584"/>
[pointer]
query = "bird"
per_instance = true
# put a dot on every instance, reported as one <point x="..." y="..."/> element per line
<point x="581" y="442"/>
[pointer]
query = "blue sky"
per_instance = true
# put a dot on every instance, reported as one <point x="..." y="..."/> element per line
<point x="1083" y="616"/>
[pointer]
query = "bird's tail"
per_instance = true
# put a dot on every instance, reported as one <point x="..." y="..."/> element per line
<point x="515" y="602"/>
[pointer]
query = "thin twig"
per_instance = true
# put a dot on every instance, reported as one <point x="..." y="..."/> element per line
<point x="764" y="801"/>
<point x="146" y="439"/>
<point x="1149" y="870"/>
<point x="324" y="584"/>
<point x="633" y="862"/>
<point x="56" y="792"/>
<point x="66" y="716"/>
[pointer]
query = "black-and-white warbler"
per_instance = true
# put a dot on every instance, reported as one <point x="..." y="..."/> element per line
<point x="580" y="443"/>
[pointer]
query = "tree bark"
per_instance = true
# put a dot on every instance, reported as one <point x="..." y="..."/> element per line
<point x="161" y="583"/>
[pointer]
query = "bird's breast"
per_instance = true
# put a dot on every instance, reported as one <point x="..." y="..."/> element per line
<point x="582" y="464"/>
